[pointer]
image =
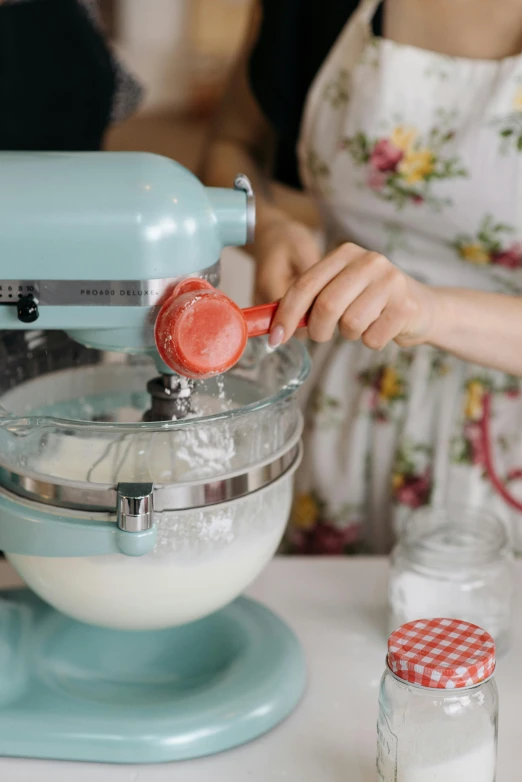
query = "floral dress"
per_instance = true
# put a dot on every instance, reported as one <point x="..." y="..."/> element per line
<point x="418" y="156"/>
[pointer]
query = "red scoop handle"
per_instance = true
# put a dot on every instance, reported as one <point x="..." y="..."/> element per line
<point x="259" y="319"/>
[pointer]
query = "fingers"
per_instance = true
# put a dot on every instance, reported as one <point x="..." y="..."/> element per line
<point x="306" y="250"/>
<point x="286" y="251"/>
<point x="352" y="301"/>
<point x="364" y="311"/>
<point x="384" y="329"/>
<point x="303" y="292"/>
<point x="273" y="279"/>
<point x="400" y="318"/>
<point x="360" y="292"/>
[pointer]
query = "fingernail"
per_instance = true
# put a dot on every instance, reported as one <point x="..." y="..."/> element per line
<point x="276" y="336"/>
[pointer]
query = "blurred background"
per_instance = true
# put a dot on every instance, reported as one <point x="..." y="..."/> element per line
<point x="182" y="52"/>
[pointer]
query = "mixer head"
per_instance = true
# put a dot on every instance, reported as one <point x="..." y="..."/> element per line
<point x="92" y="243"/>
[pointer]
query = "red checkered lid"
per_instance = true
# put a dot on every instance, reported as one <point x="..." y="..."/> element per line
<point x="445" y="654"/>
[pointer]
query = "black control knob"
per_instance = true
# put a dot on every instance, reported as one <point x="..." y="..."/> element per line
<point x="27" y="309"/>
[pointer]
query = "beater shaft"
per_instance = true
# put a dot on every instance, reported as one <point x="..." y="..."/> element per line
<point x="171" y="398"/>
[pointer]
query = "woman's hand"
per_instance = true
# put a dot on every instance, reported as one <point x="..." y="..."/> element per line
<point x="361" y="292"/>
<point x="284" y="250"/>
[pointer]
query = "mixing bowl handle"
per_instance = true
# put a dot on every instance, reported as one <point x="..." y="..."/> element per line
<point x="32" y="530"/>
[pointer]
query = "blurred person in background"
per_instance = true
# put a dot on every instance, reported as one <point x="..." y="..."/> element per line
<point x="60" y="84"/>
<point x="402" y="120"/>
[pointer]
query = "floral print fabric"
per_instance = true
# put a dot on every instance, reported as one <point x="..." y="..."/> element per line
<point x="401" y="167"/>
<point x="418" y="156"/>
<point x="493" y="244"/>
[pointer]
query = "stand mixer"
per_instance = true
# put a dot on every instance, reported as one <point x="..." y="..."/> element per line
<point x="135" y="503"/>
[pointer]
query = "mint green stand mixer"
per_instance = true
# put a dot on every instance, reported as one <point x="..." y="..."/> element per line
<point x="135" y="504"/>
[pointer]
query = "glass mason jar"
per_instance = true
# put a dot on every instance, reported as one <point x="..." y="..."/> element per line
<point x="454" y="562"/>
<point x="438" y="705"/>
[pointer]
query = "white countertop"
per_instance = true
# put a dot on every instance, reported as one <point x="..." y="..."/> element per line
<point x="337" y="608"/>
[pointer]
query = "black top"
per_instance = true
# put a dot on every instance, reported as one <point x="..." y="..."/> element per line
<point x="57" y="77"/>
<point x="295" y="38"/>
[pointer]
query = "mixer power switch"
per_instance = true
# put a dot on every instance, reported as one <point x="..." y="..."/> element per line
<point x="27" y="308"/>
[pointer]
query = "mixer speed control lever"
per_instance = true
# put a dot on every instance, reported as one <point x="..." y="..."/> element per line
<point x="135" y="507"/>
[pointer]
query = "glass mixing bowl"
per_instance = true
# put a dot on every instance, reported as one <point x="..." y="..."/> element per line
<point x="71" y="431"/>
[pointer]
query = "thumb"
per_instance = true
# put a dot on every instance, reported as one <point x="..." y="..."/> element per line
<point x="272" y="287"/>
<point x="273" y="279"/>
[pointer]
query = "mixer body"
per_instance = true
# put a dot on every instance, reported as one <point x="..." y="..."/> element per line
<point x="136" y="507"/>
<point x="92" y="242"/>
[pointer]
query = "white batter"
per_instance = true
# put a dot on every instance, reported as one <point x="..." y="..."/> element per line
<point x="148" y="592"/>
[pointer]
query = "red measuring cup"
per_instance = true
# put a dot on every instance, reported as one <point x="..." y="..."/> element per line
<point x="200" y="332"/>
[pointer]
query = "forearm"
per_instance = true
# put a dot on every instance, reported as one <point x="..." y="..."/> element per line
<point x="483" y="328"/>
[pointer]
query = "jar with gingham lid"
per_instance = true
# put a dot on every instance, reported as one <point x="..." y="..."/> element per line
<point x="438" y="704"/>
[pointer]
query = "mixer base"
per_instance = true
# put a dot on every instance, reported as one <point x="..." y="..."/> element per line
<point x="71" y="691"/>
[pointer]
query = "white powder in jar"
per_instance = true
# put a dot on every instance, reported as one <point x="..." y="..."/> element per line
<point x="476" y="765"/>
<point x="439" y="752"/>
<point x="483" y="600"/>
